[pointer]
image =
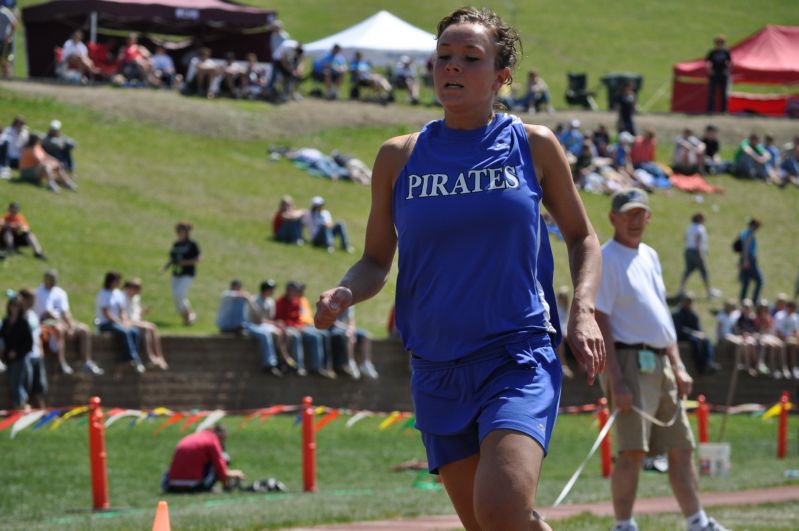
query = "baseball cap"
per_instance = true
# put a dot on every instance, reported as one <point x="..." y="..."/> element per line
<point x="575" y="123"/>
<point x="293" y="284"/>
<point x="55" y="125"/>
<point x="628" y="199"/>
<point x="268" y="284"/>
<point x="317" y="200"/>
<point x="626" y="138"/>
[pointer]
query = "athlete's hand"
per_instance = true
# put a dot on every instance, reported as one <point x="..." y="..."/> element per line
<point x="330" y="305"/>
<point x="587" y="344"/>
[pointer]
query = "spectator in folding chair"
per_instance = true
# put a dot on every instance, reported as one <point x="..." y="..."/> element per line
<point x="330" y="69"/>
<point x="406" y="78"/>
<point x="163" y="69"/>
<point x="76" y="65"/>
<point x="362" y="76"/>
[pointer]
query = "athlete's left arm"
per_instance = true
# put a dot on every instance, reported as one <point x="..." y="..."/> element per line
<point x="585" y="259"/>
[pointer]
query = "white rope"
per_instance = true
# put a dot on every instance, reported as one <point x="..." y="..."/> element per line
<point x="591" y="453"/>
<point x="602" y="434"/>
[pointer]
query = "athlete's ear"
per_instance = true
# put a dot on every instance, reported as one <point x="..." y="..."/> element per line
<point x="502" y="78"/>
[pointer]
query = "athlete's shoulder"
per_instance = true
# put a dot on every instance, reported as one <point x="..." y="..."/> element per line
<point x="540" y="135"/>
<point x="396" y="150"/>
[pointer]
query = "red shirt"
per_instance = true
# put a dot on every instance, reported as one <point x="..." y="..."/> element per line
<point x="193" y="453"/>
<point x="277" y="222"/>
<point x="642" y="150"/>
<point x="289" y="311"/>
<point x="16" y="222"/>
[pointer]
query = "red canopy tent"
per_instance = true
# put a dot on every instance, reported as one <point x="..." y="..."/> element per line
<point x="769" y="57"/>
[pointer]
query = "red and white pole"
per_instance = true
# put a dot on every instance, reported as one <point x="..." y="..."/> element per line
<point x="97" y="455"/>
<point x="782" y="429"/>
<point x="605" y="450"/>
<point x="308" y="446"/>
<point x="702" y="415"/>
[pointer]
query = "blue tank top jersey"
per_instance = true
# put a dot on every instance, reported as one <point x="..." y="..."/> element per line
<point x="473" y="257"/>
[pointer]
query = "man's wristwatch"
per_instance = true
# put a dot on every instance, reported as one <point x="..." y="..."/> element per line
<point x="678" y="366"/>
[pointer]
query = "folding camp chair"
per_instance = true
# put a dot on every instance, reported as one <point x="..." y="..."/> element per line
<point x="577" y="93"/>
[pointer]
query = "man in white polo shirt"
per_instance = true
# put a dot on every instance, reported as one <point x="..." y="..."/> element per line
<point x="52" y="308"/>
<point x="644" y="370"/>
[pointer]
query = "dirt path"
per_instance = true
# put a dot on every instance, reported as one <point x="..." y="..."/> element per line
<point x="642" y="506"/>
<point x="257" y="121"/>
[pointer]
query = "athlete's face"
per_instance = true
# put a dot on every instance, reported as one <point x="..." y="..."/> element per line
<point x="629" y="226"/>
<point x="465" y="72"/>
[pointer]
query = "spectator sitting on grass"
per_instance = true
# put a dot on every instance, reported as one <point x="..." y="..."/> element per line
<point x="304" y="337"/>
<point x="751" y="158"/>
<point x="235" y="307"/>
<point x="52" y="308"/>
<point x="136" y="312"/>
<point x="36" y="166"/>
<point x="16" y="233"/>
<point x="13" y="140"/>
<point x="642" y="155"/>
<point x="321" y="228"/>
<point x="689" y="153"/>
<point x="60" y="146"/>
<point x="572" y="140"/>
<point x="110" y="316"/>
<point x="330" y="69"/>
<point x="790" y="161"/>
<point x="774" y="163"/>
<point x="713" y="162"/>
<point x="601" y="140"/>
<point x="288" y="222"/>
<point x="199" y="462"/>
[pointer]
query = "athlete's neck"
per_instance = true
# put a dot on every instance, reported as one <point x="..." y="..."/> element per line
<point x="469" y="121"/>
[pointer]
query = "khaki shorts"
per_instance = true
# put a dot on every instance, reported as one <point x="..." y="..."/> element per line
<point x="655" y="393"/>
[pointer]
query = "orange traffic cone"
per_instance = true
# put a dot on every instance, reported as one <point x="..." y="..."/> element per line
<point x="161" y="522"/>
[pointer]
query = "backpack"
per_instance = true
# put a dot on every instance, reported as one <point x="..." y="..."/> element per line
<point x="738" y="245"/>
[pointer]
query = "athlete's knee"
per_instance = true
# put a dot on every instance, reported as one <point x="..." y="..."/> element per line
<point x="498" y="509"/>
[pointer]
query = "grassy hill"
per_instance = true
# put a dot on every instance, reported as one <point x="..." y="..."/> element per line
<point x="576" y="35"/>
<point x="138" y="178"/>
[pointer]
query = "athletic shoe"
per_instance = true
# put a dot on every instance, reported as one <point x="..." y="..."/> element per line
<point x="92" y="368"/>
<point x="632" y="526"/>
<point x="2" y="367"/>
<point x="712" y="525"/>
<point x="65" y="369"/>
<point x="777" y="375"/>
<point x="5" y="172"/>
<point x="301" y="372"/>
<point x="274" y="371"/>
<point x="368" y="370"/>
<point x="40" y="256"/>
<point x="762" y="368"/>
<point x="714" y="293"/>
<point x="786" y="373"/>
<point x="139" y="368"/>
<point x="351" y="370"/>
<point x="325" y="373"/>
<point x="796" y="373"/>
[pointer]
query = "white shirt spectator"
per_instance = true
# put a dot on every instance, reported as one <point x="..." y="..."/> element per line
<point x="287" y="48"/>
<point x="7" y="22"/>
<point x="16" y="141"/>
<point x="162" y="62"/>
<point x="133" y="307"/>
<point x="33" y="322"/>
<point x="785" y="324"/>
<point x="696" y="238"/>
<point x="724" y="323"/>
<point x="53" y="301"/>
<point x="71" y="48"/>
<point x="686" y="150"/>
<point x="314" y="220"/>
<point x="113" y="301"/>
<point x="632" y="294"/>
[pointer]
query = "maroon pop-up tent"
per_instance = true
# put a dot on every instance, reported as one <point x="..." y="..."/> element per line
<point x="223" y="25"/>
<point x="769" y="57"/>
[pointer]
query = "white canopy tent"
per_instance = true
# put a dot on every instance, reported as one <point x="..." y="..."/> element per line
<point x="382" y="38"/>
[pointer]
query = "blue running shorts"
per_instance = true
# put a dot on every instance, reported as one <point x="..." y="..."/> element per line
<point x="515" y="386"/>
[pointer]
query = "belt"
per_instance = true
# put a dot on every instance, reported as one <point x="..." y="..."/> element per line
<point x="639" y="346"/>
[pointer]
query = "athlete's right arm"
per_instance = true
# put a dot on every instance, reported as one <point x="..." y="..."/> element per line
<point x="369" y="274"/>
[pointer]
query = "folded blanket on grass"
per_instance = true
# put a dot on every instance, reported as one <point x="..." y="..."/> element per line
<point x="695" y="184"/>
